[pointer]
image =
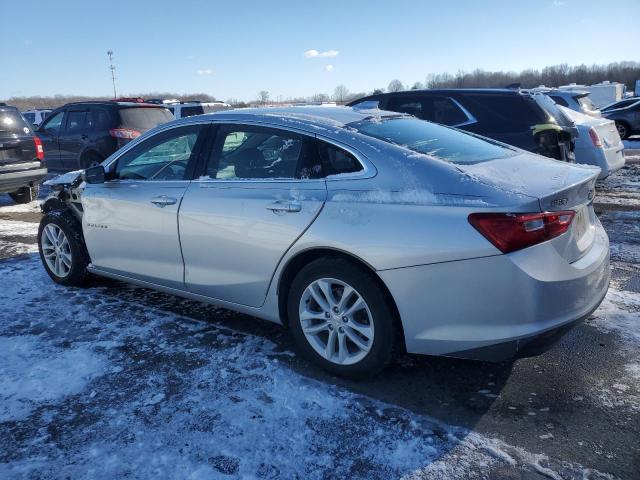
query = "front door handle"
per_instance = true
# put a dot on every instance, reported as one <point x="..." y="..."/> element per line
<point x="162" y="201"/>
<point x="283" y="207"/>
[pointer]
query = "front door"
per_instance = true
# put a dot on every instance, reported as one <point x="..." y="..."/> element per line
<point x="74" y="137"/>
<point x="130" y="222"/>
<point x="238" y="220"/>
<point x="48" y="133"/>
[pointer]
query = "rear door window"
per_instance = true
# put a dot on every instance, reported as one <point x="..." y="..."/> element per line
<point x="438" y="109"/>
<point x="191" y="111"/>
<point x="250" y="152"/>
<point x="77" y="121"/>
<point x="559" y="100"/>
<point x="142" y="119"/>
<point x="30" y="116"/>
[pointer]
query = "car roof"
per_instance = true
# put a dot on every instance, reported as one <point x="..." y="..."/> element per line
<point x="112" y="103"/>
<point x="305" y="117"/>
<point x="452" y="91"/>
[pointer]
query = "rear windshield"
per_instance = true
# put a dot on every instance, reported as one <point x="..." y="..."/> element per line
<point x="191" y="111"/>
<point x="586" y="103"/>
<point x="434" y="140"/>
<point x="12" y="122"/>
<point x="144" y="118"/>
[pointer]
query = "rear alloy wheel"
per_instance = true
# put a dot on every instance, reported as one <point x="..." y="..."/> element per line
<point x="623" y="130"/>
<point x="26" y="194"/>
<point x="62" y="248"/>
<point x="339" y="317"/>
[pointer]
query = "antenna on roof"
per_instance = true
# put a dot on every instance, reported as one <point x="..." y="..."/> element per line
<point x="112" y="67"/>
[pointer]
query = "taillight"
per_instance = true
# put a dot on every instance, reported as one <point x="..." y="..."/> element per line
<point x="513" y="231"/>
<point x="595" y="138"/>
<point x="127" y="133"/>
<point x="39" y="148"/>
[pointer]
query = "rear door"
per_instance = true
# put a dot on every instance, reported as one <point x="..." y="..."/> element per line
<point x="75" y="137"/>
<point x="239" y="219"/>
<point x="130" y="221"/>
<point x="49" y="133"/>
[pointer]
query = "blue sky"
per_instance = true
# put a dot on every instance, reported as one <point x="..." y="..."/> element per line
<point x="233" y="49"/>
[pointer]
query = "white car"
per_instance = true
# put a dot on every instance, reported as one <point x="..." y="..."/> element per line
<point x="36" y="117"/>
<point x="598" y="142"/>
<point x="184" y="109"/>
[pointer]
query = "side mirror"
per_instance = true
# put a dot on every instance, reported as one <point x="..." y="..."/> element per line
<point x="94" y="174"/>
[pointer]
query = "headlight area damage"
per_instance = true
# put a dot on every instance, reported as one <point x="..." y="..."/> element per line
<point x="66" y="193"/>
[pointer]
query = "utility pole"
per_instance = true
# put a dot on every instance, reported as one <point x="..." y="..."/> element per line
<point x="112" y="67"/>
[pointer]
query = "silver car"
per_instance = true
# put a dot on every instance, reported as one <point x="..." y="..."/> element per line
<point x="364" y="232"/>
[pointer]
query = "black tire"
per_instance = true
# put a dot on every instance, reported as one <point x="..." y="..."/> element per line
<point x="623" y="130"/>
<point x="367" y="286"/>
<point x="90" y="159"/>
<point x="65" y="221"/>
<point x="26" y="194"/>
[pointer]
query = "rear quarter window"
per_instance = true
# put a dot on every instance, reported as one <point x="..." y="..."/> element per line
<point x="144" y="118"/>
<point x="191" y="111"/>
<point x="503" y="113"/>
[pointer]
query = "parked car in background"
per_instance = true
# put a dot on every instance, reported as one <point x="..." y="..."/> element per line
<point x="22" y="165"/>
<point x="577" y="100"/>
<point x="506" y="115"/>
<point x="35" y="117"/>
<point x="365" y="232"/>
<point x="626" y="114"/>
<point x="597" y="143"/>
<point x="79" y="135"/>
<point x="212" y="107"/>
<point x="184" y="109"/>
<point x="602" y="93"/>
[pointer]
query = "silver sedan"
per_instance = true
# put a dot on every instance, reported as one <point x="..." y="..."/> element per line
<point x="364" y="232"/>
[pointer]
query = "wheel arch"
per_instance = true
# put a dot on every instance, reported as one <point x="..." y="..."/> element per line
<point x="87" y="153"/>
<point x="297" y="262"/>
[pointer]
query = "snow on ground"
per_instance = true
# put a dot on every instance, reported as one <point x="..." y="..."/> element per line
<point x="9" y="206"/>
<point x="107" y="383"/>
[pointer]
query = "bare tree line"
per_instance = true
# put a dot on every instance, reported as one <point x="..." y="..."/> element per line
<point x="552" y="76"/>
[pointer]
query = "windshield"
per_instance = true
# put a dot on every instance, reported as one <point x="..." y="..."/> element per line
<point x="428" y="138"/>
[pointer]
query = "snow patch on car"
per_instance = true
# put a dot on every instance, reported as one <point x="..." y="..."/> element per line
<point x="409" y="196"/>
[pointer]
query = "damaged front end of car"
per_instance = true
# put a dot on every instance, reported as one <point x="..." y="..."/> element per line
<point x="66" y="193"/>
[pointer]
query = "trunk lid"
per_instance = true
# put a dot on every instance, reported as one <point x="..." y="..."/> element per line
<point x="558" y="186"/>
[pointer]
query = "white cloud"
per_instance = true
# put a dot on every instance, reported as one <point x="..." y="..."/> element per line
<point x="328" y="68"/>
<point x="205" y="71"/>
<point x="316" y="53"/>
<point x="559" y="3"/>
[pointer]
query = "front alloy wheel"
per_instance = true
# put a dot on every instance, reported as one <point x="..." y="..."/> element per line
<point x="336" y="321"/>
<point x="62" y="249"/>
<point x="56" y="250"/>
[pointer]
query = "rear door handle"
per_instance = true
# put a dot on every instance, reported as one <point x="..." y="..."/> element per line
<point x="284" y="207"/>
<point x="162" y="201"/>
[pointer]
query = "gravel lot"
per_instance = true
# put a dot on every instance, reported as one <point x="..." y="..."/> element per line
<point x="116" y="381"/>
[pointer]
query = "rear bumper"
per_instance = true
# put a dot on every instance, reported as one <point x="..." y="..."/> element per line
<point x="491" y="308"/>
<point x="609" y="160"/>
<point x="14" y="177"/>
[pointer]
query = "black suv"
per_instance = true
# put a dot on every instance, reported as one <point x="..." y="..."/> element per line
<point x="510" y="116"/>
<point x="80" y="135"/>
<point x="22" y="166"/>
